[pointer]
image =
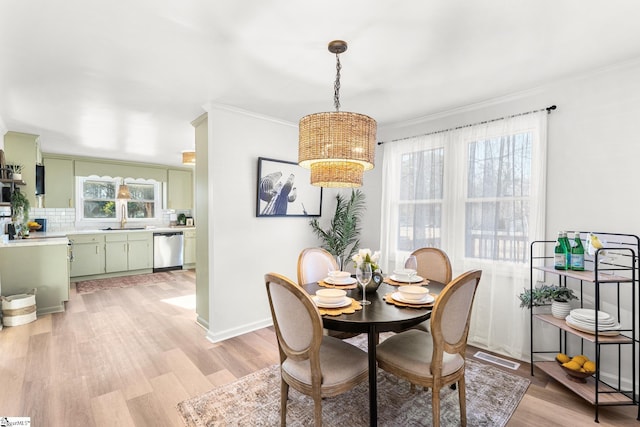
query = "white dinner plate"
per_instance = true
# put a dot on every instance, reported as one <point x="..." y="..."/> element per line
<point x="591" y="330"/>
<point x="345" y="282"/>
<point x="415" y="279"/>
<point x="588" y="314"/>
<point x="426" y="300"/>
<point x="345" y="302"/>
<point x="608" y="324"/>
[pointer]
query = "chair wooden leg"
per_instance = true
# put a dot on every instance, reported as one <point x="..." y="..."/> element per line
<point x="284" y="395"/>
<point x="435" y="406"/>
<point x="317" y="410"/>
<point x="463" y="402"/>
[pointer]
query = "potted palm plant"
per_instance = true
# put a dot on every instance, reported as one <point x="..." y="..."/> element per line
<point x="557" y="296"/>
<point x="341" y="238"/>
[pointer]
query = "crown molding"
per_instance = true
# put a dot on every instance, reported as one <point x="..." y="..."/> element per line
<point x="223" y="107"/>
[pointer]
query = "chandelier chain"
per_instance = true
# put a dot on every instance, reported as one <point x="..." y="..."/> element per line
<point x="336" y="85"/>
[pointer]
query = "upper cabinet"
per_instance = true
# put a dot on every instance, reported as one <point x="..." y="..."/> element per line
<point x="24" y="149"/>
<point x="180" y="189"/>
<point x="60" y="183"/>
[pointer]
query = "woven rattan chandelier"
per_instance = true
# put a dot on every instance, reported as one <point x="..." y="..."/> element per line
<point x="337" y="146"/>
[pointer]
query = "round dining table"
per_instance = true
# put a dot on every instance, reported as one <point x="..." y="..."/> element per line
<point x="379" y="316"/>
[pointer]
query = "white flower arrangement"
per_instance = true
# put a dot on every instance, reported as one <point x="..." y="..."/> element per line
<point x="365" y="256"/>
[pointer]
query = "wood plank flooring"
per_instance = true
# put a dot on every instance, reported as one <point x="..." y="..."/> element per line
<point x="127" y="356"/>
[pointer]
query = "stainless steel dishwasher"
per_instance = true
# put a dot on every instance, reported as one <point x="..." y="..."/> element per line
<point x="167" y="251"/>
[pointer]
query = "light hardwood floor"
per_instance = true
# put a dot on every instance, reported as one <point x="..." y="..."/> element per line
<point x="127" y="356"/>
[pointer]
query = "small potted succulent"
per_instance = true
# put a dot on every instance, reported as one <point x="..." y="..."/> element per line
<point x="16" y="173"/>
<point x="557" y="296"/>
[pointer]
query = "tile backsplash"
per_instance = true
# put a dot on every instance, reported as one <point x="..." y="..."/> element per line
<point x="65" y="219"/>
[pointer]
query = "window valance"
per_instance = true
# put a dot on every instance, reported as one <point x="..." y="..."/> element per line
<point x="85" y="168"/>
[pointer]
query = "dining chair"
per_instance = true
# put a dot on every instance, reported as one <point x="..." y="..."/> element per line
<point x="434" y="264"/>
<point x="314" y="265"/>
<point x="314" y="364"/>
<point x="436" y="359"/>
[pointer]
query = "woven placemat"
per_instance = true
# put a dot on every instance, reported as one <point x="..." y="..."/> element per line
<point x="389" y="299"/>
<point x="390" y="281"/>
<point x="349" y="309"/>
<point x="329" y="285"/>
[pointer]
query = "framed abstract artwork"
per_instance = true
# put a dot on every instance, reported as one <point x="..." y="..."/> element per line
<point x="284" y="189"/>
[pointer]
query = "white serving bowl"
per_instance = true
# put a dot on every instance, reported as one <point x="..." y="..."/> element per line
<point x="330" y="296"/>
<point x="413" y="293"/>
<point x="339" y="275"/>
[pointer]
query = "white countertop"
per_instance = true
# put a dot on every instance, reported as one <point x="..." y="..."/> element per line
<point x="39" y="238"/>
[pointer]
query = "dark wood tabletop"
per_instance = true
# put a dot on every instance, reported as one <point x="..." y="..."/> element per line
<point x="385" y="316"/>
<point x="379" y="316"/>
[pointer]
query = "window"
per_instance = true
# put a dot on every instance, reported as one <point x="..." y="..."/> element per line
<point x="467" y="190"/>
<point x="97" y="199"/>
<point x="420" y="206"/>
<point x="497" y="202"/>
<point x="143" y="200"/>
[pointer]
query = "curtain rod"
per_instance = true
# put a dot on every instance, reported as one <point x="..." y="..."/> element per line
<point x="549" y="110"/>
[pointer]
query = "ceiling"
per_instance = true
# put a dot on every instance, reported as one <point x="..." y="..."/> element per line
<point x="123" y="80"/>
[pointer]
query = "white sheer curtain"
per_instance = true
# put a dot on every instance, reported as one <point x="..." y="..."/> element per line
<point x="478" y="193"/>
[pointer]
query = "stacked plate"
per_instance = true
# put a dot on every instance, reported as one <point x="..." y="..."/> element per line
<point x="337" y="281"/>
<point x="584" y="320"/>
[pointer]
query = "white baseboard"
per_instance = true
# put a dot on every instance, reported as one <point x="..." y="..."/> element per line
<point x="234" y="332"/>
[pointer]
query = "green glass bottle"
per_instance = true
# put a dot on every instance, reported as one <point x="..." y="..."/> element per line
<point x="568" y="244"/>
<point x="577" y="254"/>
<point x="560" y="253"/>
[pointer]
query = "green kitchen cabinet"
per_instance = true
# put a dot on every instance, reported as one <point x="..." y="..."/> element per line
<point x="140" y="247"/>
<point x="180" y="189"/>
<point x="189" y="251"/>
<point x="24" y="149"/>
<point x="24" y="266"/>
<point x="59" y="183"/>
<point x="116" y="252"/>
<point x="88" y="254"/>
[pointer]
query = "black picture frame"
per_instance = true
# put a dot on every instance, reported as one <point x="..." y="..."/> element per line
<point x="302" y="198"/>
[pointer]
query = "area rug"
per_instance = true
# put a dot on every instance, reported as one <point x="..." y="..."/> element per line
<point x="254" y="400"/>
<point x="123" y="282"/>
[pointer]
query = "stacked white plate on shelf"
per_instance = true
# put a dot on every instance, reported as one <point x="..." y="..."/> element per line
<point x="584" y="320"/>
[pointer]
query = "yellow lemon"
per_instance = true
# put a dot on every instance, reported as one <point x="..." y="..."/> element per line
<point x="573" y="365"/>
<point x="563" y="358"/>
<point x="589" y="366"/>
<point x="579" y="359"/>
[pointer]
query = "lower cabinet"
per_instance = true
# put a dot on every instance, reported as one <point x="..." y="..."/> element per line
<point x="95" y="254"/>
<point x="140" y="251"/>
<point x="116" y="253"/>
<point x="88" y="254"/>
<point x="44" y="267"/>
<point x="189" y="243"/>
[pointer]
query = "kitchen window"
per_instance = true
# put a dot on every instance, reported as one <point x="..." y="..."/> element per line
<point x="97" y="200"/>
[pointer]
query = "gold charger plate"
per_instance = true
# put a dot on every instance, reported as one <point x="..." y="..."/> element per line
<point x="348" y="309"/>
<point x="389" y="299"/>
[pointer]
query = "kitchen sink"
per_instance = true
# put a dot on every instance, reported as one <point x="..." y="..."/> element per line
<point x="123" y="229"/>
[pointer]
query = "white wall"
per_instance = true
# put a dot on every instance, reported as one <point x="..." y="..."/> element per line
<point x="243" y="247"/>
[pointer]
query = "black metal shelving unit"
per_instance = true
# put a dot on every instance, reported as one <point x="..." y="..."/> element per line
<point x="614" y="266"/>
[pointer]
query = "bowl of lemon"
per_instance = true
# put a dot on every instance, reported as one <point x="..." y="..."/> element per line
<point x="578" y="368"/>
<point x="34" y="226"/>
